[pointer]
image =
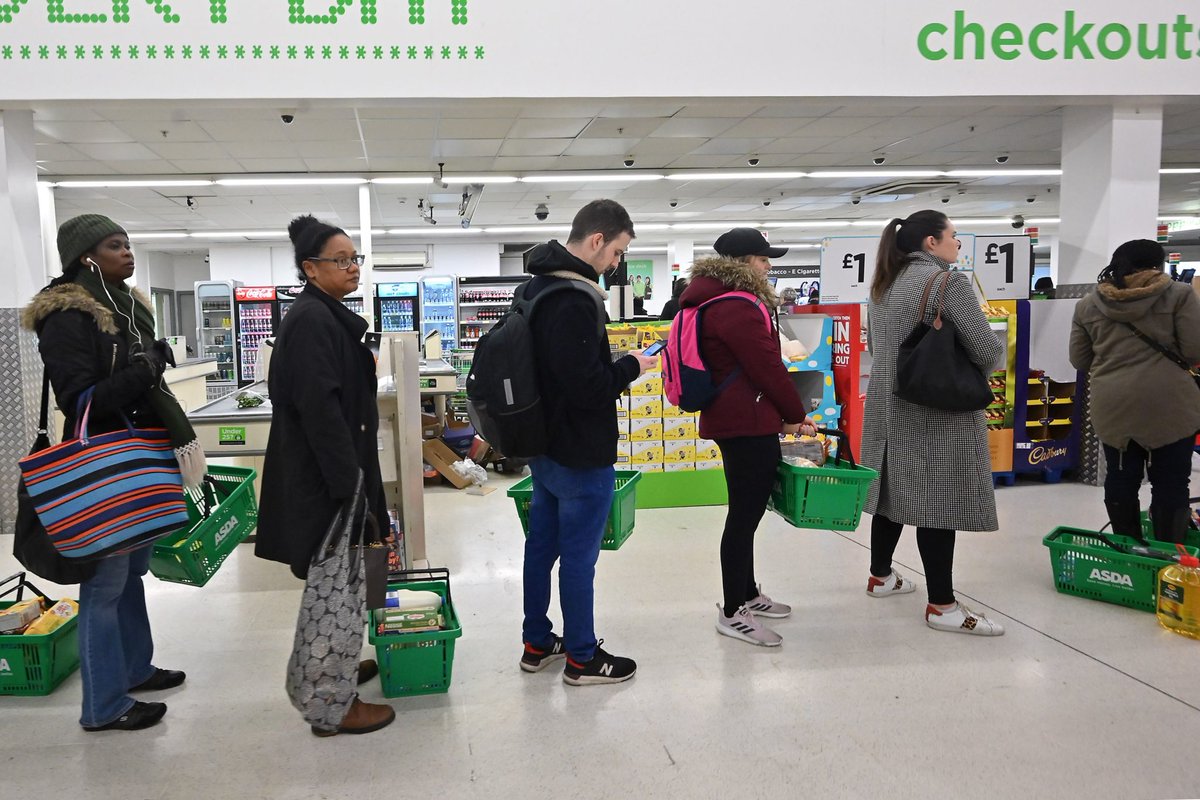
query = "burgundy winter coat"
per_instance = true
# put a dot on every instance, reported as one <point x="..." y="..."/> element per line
<point x="733" y="334"/>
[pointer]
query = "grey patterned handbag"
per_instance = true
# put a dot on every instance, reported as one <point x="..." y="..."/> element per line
<point x="323" y="670"/>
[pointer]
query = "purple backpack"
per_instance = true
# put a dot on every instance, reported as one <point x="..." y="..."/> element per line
<point x="687" y="380"/>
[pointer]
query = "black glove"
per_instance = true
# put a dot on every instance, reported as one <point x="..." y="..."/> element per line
<point x="164" y="351"/>
<point x="151" y="357"/>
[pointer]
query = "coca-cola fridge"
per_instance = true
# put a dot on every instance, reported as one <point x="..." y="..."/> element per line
<point x="256" y="312"/>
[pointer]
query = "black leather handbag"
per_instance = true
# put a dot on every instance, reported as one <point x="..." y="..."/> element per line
<point x="933" y="368"/>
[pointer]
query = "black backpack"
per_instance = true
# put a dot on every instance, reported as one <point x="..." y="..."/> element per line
<point x="503" y="399"/>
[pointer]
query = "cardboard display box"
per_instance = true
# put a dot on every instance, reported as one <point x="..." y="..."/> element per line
<point x="440" y="457"/>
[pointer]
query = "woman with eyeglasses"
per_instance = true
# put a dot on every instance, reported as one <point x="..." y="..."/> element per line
<point x="324" y="431"/>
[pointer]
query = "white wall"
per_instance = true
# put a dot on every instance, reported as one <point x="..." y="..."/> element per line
<point x="464" y="260"/>
<point x="188" y="270"/>
<point x="253" y="265"/>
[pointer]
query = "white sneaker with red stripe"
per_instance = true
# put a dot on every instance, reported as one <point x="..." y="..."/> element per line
<point x="742" y="625"/>
<point x="892" y="584"/>
<point x="961" y="619"/>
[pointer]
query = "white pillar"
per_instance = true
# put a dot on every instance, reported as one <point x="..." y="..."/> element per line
<point x="680" y="255"/>
<point x="21" y="232"/>
<point x="366" y="247"/>
<point x="1110" y="157"/>
<point x="48" y="211"/>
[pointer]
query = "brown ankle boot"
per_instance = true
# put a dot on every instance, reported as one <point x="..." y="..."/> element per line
<point x="362" y="718"/>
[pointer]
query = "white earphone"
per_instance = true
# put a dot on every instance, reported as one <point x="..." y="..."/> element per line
<point x="93" y="263"/>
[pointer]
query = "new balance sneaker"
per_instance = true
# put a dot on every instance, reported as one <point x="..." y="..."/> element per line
<point x="961" y="619"/>
<point x="535" y="659"/>
<point x="892" y="584"/>
<point x="603" y="668"/>
<point x="742" y="625"/>
<point x="763" y="606"/>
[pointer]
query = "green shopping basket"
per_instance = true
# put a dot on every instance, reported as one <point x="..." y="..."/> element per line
<point x="620" y="514"/>
<point x="36" y="665"/>
<point x="418" y="663"/>
<point x="1107" y="567"/>
<point x="221" y="514"/>
<point x="828" y="497"/>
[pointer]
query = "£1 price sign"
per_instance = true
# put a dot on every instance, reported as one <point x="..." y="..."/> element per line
<point x="1003" y="265"/>
<point x="847" y="267"/>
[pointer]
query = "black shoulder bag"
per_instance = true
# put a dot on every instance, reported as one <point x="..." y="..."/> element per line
<point x="933" y="368"/>
<point x="1167" y="353"/>
<point x="31" y="544"/>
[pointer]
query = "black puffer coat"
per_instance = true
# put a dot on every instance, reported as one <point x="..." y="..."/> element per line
<point x="81" y="347"/>
<point x="324" y="428"/>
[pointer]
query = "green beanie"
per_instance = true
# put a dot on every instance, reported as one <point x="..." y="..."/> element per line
<point x="80" y="234"/>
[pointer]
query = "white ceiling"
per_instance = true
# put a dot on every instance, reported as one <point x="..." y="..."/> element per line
<point x="526" y="137"/>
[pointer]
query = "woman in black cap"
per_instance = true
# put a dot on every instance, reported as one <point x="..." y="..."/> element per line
<point x="740" y="346"/>
<point x="95" y="331"/>
<point x="324" y="429"/>
<point x="1145" y="406"/>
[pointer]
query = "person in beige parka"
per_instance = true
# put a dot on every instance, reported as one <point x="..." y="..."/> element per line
<point x="1145" y="408"/>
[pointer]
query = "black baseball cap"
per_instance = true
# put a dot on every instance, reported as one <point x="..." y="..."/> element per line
<point x="746" y="242"/>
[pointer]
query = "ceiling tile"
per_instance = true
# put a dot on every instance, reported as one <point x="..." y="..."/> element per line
<point x="189" y="150"/>
<point x="80" y="132"/>
<point x="474" y="128"/>
<point x="450" y="148"/>
<point x="838" y="126"/>
<point x="399" y="129"/>
<point x="619" y="127"/>
<point x="116" y="152"/>
<point x="152" y="131"/>
<point x="272" y="164"/>
<point x="724" y="108"/>
<point x="695" y="126"/>
<point x="601" y="147"/>
<point x="534" y="147"/>
<point x="254" y="130"/>
<point x="548" y="128"/>
<point x="725" y="146"/>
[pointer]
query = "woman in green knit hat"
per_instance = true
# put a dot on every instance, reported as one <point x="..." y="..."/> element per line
<point x="95" y="331"/>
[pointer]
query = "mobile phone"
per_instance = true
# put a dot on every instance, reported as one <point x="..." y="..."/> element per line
<point x="655" y="348"/>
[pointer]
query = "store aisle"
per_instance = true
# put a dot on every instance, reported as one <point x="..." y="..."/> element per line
<point x="1078" y="700"/>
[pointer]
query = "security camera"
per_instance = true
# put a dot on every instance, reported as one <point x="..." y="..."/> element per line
<point x="629" y="162"/>
<point x="541" y="212"/>
<point x="855" y="200"/>
<point x="879" y="160"/>
<point x="1031" y="199"/>
<point x="673" y="203"/>
<point x="1018" y="221"/>
<point x="766" y="203"/>
<point x="287" y="119"/>
<point x="1001" y="159"/>
<point x="945" y="200"/>
<point x="752" y="161"/>
<point x="466" y="222"/>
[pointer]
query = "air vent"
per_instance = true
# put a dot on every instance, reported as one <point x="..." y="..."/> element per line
<point x="399" y="261"/>
<point x="907" y="187"/>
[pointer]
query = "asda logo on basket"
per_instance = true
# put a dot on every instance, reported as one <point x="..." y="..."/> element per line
<point x="1111" y="577"/>
<point x="226" y="529"/>
<point x="1073" y="36"/>
<point x="5" y="667"/>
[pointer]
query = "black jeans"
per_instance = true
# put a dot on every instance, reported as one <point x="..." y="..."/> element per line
<point x="751" y="463"/>
<point x="937" y="556"/>
<point x="1169" y="468"/>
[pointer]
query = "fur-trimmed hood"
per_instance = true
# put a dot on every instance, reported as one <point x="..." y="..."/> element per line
<point x="713" y="276"/>
<point x="1134" y="301"/>
<point x="71" y="297"/>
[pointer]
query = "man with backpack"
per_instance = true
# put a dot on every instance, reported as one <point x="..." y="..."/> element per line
<point x="573" y="480"/>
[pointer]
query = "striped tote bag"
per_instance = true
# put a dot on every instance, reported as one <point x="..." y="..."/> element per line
<point x="107" y="494"/>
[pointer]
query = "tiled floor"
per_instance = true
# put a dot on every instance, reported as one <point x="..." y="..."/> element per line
<point x="1079" y="700"/>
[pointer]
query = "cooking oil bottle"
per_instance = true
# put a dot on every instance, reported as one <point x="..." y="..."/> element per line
<point x="1178" y="596"/>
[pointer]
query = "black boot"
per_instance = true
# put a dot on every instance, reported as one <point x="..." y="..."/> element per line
<point x="1126" y="518"/>
<point x="1170" y="524"/>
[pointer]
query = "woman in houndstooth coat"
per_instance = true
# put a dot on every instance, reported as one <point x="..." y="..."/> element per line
<point x="934" y="467"/>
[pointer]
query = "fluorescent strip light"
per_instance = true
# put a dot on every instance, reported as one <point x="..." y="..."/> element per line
<point x="1043" y="221"/>
<point x="872" y="223"/>
<point x="660" y="249"/>
<point x="1003" y="173"/>
<point x="157" y="235"/>
<point x="881" y="173"/>
<point x="357" y="232"/>
<point x="800" y="246"/>
<point x="735" y="176"/>
<point x="1179" y="219"/>
<point x="966" y="223"/>
<point x="291" y="181"/>
<point x="528" y="229"/>
<point x="143" y="184"/>
<point x="610" y="177"/>
<point x="241" y="235"/>
<point x="653" y="226"/>
<point x="812" y="223"/>
<point x="1179" y="171"/>
<point x="397" y="181"/>
<point x="714" y="226"/>
<point x="458" y="179"/>
<point x="431" y="230"/>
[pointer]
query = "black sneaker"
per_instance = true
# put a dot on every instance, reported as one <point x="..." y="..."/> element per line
<point x="161" y="679"/>
<point x="603" y="668"/>
<point x="536" y="658"/>
<point x="140" y="715"/>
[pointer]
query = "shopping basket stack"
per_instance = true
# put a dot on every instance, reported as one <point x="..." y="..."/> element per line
<point x="221" y="514"/>
<point x="828" y="497"/>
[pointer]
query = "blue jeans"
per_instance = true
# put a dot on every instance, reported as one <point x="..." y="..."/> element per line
<point x="115" y="648"/>
<point x="567" y="515"/>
